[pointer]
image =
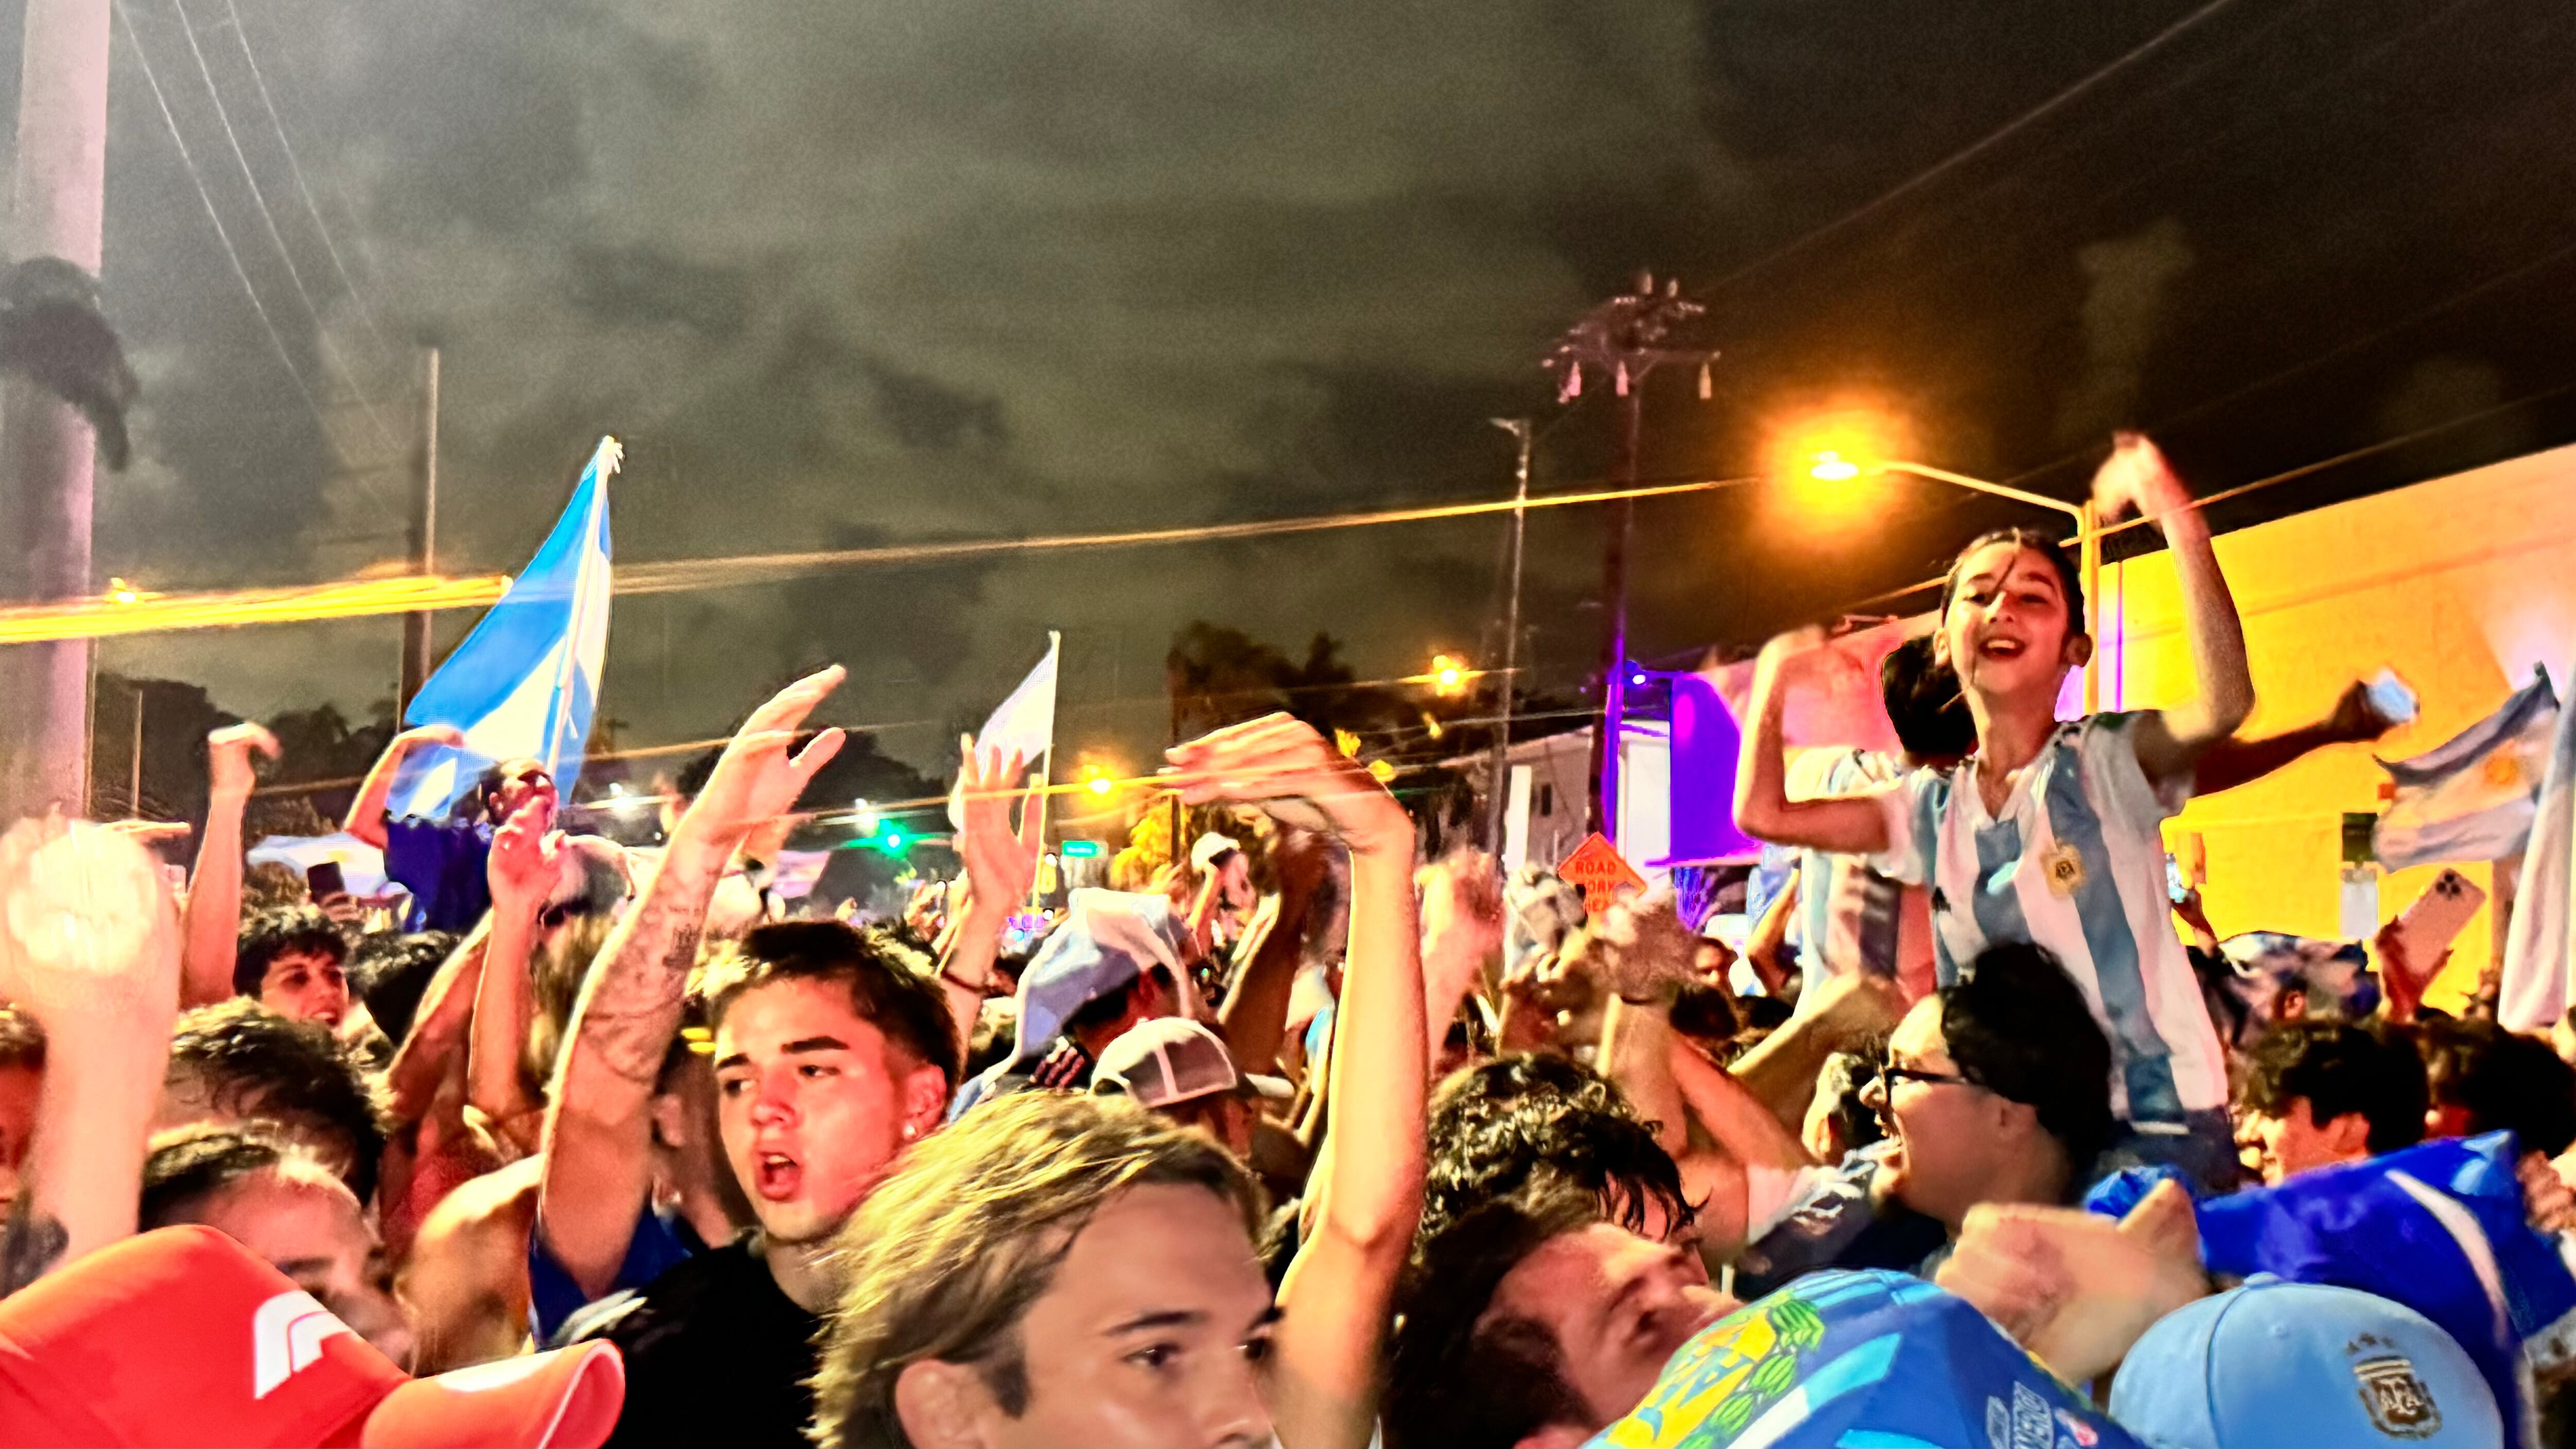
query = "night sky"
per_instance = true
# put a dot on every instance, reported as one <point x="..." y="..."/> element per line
<point x="892" y="270"/>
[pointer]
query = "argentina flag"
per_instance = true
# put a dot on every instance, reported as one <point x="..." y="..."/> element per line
<point x="524" y="683"/>
<point x="2473" y="798"/>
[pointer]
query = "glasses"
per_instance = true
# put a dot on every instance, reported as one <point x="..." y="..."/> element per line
<point x="1889" y="1074"/>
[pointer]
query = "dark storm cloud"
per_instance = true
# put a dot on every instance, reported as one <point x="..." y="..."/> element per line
<point x="938" y="269"/>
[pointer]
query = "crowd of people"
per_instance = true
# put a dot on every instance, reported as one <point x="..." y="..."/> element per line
<point x="1980" y="1137"/>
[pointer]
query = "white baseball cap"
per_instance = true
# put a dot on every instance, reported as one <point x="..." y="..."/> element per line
<point x="1171" y="1059"/>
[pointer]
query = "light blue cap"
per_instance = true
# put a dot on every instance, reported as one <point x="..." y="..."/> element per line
<point x="2276" y="1364"/>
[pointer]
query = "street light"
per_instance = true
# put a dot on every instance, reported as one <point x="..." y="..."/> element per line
<point x="1448" y="675"/>
<point x="1830" y="466"/>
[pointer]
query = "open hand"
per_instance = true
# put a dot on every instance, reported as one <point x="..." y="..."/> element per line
<point x="1645" y="951"/>
<point x="1462" y="922"/>
<point x="229" y="771"/>
<point x="1279" y="763"/>
<point x="1001" y="860"/>
<point x="2135" y="479"/>
<point x="756" y="780"/>
<point x="526" y="858"/>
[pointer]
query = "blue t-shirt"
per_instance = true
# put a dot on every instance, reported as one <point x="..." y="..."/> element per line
<point x="661" y="1243"/>
<point x="442" y="863"/>
<point x="1859" y="1359"/>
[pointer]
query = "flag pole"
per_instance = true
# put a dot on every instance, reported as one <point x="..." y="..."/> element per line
<point x="1046" y="767"/>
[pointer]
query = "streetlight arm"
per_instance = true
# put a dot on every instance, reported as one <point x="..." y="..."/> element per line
<point x="2000" y="490"/>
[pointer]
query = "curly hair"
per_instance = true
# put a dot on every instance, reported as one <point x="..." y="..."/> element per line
<point x="1498" y="1128"/>
<point x="249" y="1062"/>
<point x="286" y="931"/>
<point x="945" y="1260"/>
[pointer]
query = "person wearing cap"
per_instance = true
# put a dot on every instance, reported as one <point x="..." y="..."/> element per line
<point x="1225" y="896"/>
<point x="1116" y="960"/>
<point x="183" y="1336"/>
<point x="1182" y="1071"/>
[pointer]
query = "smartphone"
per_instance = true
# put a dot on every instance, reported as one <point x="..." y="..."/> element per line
<point x="2390" y="698"/>
<point x="2426" y="928"/>
<point x="2177" y="890"/>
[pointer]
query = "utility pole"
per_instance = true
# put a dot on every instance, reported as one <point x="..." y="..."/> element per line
<point x="1498" y="789"/>
<point x="1623" y="338"/>
<point x="424" y="537"/>
<point x="46" y="448"/>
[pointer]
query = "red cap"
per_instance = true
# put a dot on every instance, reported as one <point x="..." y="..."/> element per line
<point x="183" y="1336"/>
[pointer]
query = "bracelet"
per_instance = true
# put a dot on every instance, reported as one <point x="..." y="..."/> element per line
<point x="982" y="988"/>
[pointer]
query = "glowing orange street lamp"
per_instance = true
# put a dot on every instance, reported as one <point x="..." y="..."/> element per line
<point x="1448" y="674"/>
<point x="1828" y="465"/>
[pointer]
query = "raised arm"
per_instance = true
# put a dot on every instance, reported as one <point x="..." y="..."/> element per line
<point x="1001" y="864"/>
<point x="1462" y="930"/>
<point x="2233" y="761"/>
<point x="439" y="1028"/>
<point x="1336" y="1300"/>
<point x="366" y="818"/>
<point x="89" y="944"/>
<point x="525" y="859"/>
<point x="2171" y="741"/>
<point x="599" y="1124"/>
<point x="1253" y="1019"/>
<point x="213" y="920"/>
<point x="1645" y="955"/>
<point x="1780" y="1070"/>
<point x="1846" y="825"/>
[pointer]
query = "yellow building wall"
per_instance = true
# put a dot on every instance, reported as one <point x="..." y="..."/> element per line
<point x="2462" y="584"/>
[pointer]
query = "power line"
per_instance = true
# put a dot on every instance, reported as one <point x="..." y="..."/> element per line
<point x="331" y="359"/>
<point x="2229" y="495"/>
<point x="1977" y="148"/>
<point x="2475" y="289"/>
<point x="411" y="593"/>
<point x="296" y="169"/>
<point x="222" y="234"/>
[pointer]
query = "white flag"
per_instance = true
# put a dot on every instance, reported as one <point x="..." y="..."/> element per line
<point x="1023" y="724"/>
<point x="2533" y="988"/>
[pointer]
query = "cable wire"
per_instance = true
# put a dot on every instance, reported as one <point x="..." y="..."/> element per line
<point x="348" y="285"/>
<point x="1977" y="148"/>
<point x="331" y="359"/>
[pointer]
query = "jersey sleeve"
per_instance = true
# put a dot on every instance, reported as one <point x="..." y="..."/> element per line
<point x="2119" y="785"/>
<point x="1911" y="808"/>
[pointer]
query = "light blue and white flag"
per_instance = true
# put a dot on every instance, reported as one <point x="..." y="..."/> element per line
<point x="2473" y="798"/>
<point x="524" y="683"/>
<point x="1023" y="724"/>
<point x="2540" y="942"/>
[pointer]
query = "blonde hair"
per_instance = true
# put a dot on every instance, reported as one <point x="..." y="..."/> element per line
<point x="950" y="1252"/>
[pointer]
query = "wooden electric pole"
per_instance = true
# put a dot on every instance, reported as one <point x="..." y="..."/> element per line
<point x="46" y="448"/>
